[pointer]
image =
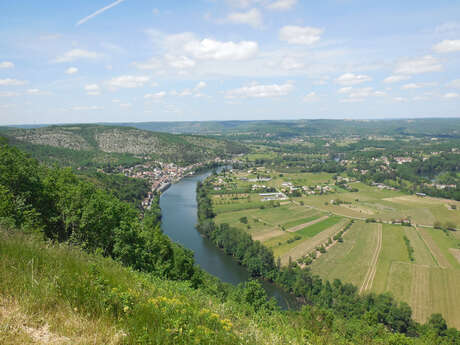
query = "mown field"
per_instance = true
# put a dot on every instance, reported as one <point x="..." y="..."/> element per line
<point x="373" y="256"/>
<point x="428" y="283"/>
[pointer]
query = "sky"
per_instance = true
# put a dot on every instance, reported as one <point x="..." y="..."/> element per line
<point x="143" y="60"/>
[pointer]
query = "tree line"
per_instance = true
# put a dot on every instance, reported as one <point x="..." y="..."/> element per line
<point x="336" y="298"/>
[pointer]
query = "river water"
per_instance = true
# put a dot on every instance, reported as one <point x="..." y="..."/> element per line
<point x="179" y="217"/>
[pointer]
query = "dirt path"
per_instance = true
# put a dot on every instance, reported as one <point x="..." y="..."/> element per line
<point x="301" y="226"/>
<point x="438" y="257"/>
<point x="370" y="275"/>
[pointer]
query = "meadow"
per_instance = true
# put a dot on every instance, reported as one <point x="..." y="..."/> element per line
<point x="373" y="256"/>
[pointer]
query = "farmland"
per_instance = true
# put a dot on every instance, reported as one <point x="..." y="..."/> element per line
<point x="417" y="263"/>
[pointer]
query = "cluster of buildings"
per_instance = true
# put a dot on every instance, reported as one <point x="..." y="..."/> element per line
<point x="159" y="175"/>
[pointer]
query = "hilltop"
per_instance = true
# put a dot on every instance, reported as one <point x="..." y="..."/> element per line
<point x="93" y="144"/>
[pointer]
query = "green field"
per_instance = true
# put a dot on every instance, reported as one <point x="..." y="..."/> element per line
<point x="315" y="229"/>
<point x="375" y="259"/>
<point x="429" y="284"/>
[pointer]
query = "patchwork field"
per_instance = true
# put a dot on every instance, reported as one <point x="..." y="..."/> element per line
<point x="417" y="264"/>
<point x="429" y="283"/>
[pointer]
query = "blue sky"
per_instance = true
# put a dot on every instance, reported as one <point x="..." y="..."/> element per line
<point x="139" y="60"/>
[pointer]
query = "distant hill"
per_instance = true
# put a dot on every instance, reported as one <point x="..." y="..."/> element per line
<point x="87" y="144"/>
<point x="449" y="127"/>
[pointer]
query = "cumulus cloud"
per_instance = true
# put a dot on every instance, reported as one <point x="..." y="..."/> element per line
<point x="12" y="82"/>
<point x="92" y="90"/>
<point x="6" y="64"/>
<point x="349" y="79"/>
<point x="361" y="92"/>
<point x="310" y="97"/>
<point x="151" y="64"/>
<point x="9" y="94"/>
<point x="38" y="92"/>
<point x="77" y="54"/>
<point x="179" y="62"/>
<point x="87" y="108"/>
<point x="155" y="96"/>
<point x="209" y="49"/>
<point x="71" y="70"/>
<point x="395" y="78"/>
<point x="289" y="64"/>
<point x="345" y="89"/>
<point x="447" y="46"/>
<point x="255" y="90"/>
<point x="416" y="85"/>
<point x="420" y="65"/>
<point x="400" y="99"/>
<point x="282" y="5"/>
<point x="451" y="95"/>
<point x="455" y="83"/>
<point x="252" y="17"/>
<point x="302" y="35"/>
<point x="128" y="82"/>
<point x="200" y="85"/>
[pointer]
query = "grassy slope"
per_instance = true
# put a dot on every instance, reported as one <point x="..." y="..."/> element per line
<point x="59" y="294"/>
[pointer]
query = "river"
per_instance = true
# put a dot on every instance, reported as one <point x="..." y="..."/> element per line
<point x="179" y="217"/>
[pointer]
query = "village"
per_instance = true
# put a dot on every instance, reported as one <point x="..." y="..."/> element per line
<point x="160" y="175"/>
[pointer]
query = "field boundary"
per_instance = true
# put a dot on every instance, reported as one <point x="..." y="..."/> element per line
<point x="437" y="255"/>
<point x="370" y="275"/>
<point x="302" y="226"/>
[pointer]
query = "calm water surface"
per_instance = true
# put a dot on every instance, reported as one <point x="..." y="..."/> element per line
<point x="179" y="217"/>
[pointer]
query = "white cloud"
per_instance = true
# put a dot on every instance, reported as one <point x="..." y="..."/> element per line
<point x="179" y="62"/>
<point x="455" y="83"/>
<point x="209" y="49"/>
<point x="345" y="89"/>
<point x="310" y="97"/>
<point x="349" y="79"/>
<point x="128" y="82"/>
<point x="87" y="108"/>
<point x="12" y="82"/>
<point x="71" y="70"/>
<point x="9" y="94"/>
<point x="420" y="65"/>
<point x="255" y="90"/>
<point x="93" y="90"/>
<point x="242" y="3"/>
<point x="303" y="35"/>
<point x="153" y="63"/>
<point x="6" y="64"/>
<point x="77" y="54"/>
<point x="200" y="85"/>
<point x="447" y="46"/>
<point x="282" y="5"/>
<point x="416" y="85"/>
<point x="380" y="93"/>
<point x="451" y="95"/>
<point x="155" y="96"/>
<point x="289" y="64"/>
<point x="360" y="93"/>
<point x="352" y="100"/>
<point x="395" y="78"/>
<point x="38" y="92"/>
<point x="125" y="105"/>
<point x="252" y="17"/>
<point x="400" y="99"/>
